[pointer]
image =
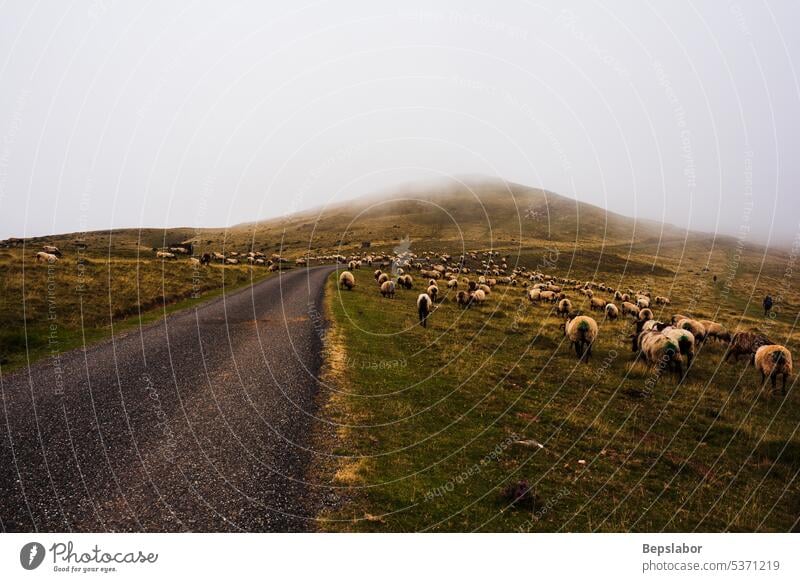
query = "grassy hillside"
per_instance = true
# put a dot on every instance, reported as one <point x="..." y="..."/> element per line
<point x="430" y="422"/>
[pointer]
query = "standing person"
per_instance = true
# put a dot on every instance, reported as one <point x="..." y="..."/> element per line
<point x="767" y="305"/>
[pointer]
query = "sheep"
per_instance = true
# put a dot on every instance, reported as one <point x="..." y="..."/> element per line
<point x="485" y="288"/>
<point x="684" y="339"/>
<point x="166" y="255"/>
<point x="406" y="281"/>
<point x="716" y="330"/>
<point x="229" y="261"/>
<point x="612" y="312"/>
<point x="698" y="329"/>
<point x="43" y="257"/>
<point x="195" y="261"/>
<point x="629" y="308"/>
<point x="582" y="332"/>
<point x="347" y="281"/>
<point x="382" y="278"/>
<point x="452" y="284"/>
<point x="433" y="292"/>
<point x="387" y="289"/>
<point x="597" y="304"/>
<point x="645" y="314"/>
<point x="478" y="296"/>
<point x="52" y="250"/>
<point x="746" y="343"/>
<point x="662" y="300"/>
<point x="625" y="297"/>
<point x="424" y="308"/>
<point x="661" y="350"/>
<point x="642" y="302"/>
<point x="378" y="273"/>
<point x="534" y="295"/>
<point x="205" y="259"/>
<point x="548" y="296"/>
<point x="773" y="361"/>
<point x="564" y="307"/>
<point x="463" y="298"/>
<point x="471" y="285"/>
<point x="617" y="296"/>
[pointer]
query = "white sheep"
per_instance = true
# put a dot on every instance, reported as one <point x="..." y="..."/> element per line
<point x="388" y="289"/>
<point x="347" y="281"/>
<point x="773" y="361"/>
<point x="612" y="312"/>
<point x="433" y="292"/>
<point x="582" y="332"/>
<point x="43" y="257"/>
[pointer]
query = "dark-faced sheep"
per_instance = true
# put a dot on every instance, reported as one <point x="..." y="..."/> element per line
<point x="746" y="343"/>
<point x="433" y="292"/>
<point x="773" y="361"/>
<point x="581" y="332"/>
<point x="424" y="308"/>
<point x="661" y="351"/>
<point x="478" y="296"/>
<point x="564" y="307"/>
<point x="597" y="304"/>
<point x="463" y="299"/>
<point x="382" y="278"/>
<point x="612" y="312"/>
<point x="347" y="281"/>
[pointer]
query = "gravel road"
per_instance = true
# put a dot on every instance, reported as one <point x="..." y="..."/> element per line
<point x="199" y="422"/>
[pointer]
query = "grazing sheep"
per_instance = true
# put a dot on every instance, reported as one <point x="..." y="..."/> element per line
<point x="406" y="281"/>
<point x="534" y="295"/>
<point x="698" y="329"/>
<point x="347" y="281"/>
<point x="660" y="350"/>
<point x="684" y="339"/>
<point x="433" y="292"/>
<point x="716" y="330"/>
<point x="629" y="308"/>
<point x="463" y="299"/>
<point x="662" y="300"/>
<point x="53" y="250"/>
<point x="597" y="304"/>
<point x="228" y="261"/>
<point x="382" y="278"/>
<point x="424" y="308"/>
<point x="548" y="296"/>
<point x="43" y="257"/>
<point x="617" y="296"/>
<point x="773" y="361"/>
<point x="582" y="332"/>
<point x="612" y="312"/>
<point x="378" y="273"/>
<point x="472" y="285"/>
<point x="645" y="314"/>
<point x="625" y="297"/>
<point x="166" y="255"/>
<point x="642" y="302"/>
<point x="564" y="307"/>
<point x="452" y="284"/>
<point x="485" y="288"/>
<point x="387" y="289"/>
<point x="194" y="261"/>
<point x="478" y="296"/>
<point x="746" y="343"/>
<point x="206" y="259"/>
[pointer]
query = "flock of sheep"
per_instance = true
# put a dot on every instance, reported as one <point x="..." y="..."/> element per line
<point x="667" y="346"/>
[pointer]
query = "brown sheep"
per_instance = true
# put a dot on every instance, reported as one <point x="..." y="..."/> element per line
<point x="746" y="343"/>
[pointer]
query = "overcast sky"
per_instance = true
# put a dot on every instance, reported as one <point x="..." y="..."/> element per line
<point x="121" y="114"/>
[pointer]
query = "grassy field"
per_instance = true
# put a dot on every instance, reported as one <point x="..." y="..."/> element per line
<point x="48" y="309"/>
<point x="437" y="427"/>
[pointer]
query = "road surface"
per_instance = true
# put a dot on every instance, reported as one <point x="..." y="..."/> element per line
<point x="200" y="422"/>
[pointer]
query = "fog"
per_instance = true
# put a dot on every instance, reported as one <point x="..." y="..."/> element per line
<point x="124" y="114"/>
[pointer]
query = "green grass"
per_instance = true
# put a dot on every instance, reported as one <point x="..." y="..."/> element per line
<point x="429" y="420"/>
<point x="51" y="309"/>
